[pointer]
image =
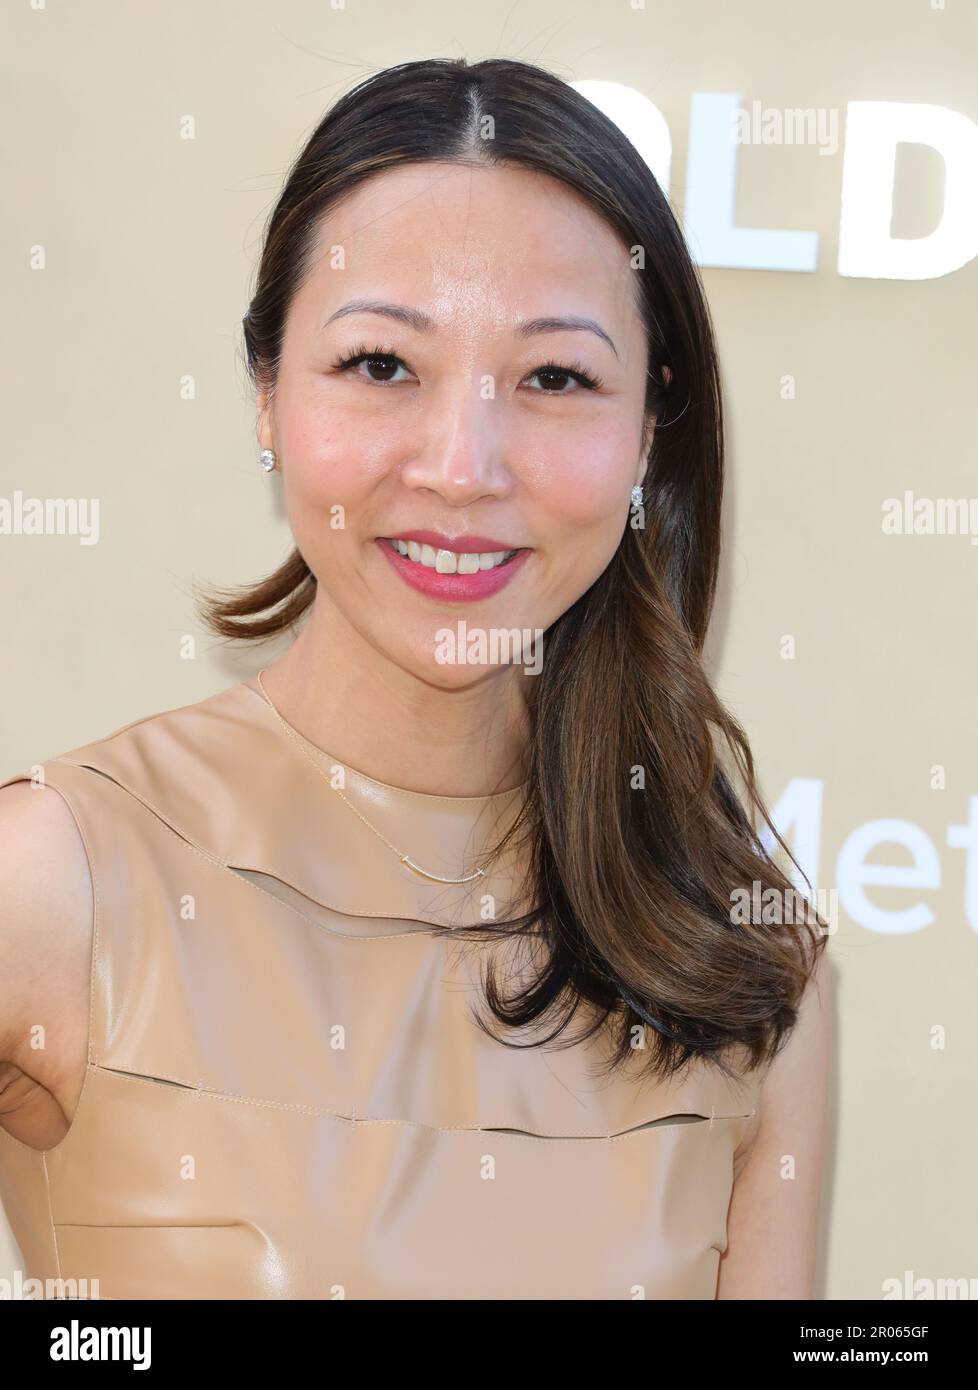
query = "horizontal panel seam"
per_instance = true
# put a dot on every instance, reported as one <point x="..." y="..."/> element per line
<point x="229" y="866"/>
<point x="196" y="1092"/>
<point x="143" y="1226"/>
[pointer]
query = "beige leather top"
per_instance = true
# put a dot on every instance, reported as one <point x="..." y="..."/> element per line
<point x="286" y="1093"/>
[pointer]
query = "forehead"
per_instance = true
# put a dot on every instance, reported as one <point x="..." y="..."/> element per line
<point x="498" y="242"/>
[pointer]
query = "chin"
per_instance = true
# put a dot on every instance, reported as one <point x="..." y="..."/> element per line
<point x="446" y="675"/>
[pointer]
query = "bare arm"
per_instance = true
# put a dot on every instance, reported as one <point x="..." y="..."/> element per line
<point x="45" y="957"/>
<point x="773" y="1222"/>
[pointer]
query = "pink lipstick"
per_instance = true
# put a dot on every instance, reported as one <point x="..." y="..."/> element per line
<point x="455" y="569"/>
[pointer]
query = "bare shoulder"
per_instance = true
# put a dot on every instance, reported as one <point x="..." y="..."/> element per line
<point x="46" y="923"/>
<point x="774" y="1218"/>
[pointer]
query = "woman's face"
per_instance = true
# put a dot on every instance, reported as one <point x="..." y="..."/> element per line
<point x="472" y="428"/>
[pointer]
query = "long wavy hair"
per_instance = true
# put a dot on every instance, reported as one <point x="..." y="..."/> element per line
<point x="638" y="842"/>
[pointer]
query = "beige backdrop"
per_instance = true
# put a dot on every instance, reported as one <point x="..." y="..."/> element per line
<point x="149" y="241"/>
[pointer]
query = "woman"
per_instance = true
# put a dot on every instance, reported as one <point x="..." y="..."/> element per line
<point x="408" y="967"/>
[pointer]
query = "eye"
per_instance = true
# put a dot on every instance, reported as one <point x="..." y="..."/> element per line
<point x="557" y="375"/>
<point x="381" y="365"/>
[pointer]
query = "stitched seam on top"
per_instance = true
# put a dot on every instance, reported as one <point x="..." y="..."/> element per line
<point x="92" y="974"/>
<point x="217" y="863"/>
<point x="47" y="1192"/>
<point x="192" y="1091"/>
<point x="344" y="936"/>
<point x="96" y="901"/>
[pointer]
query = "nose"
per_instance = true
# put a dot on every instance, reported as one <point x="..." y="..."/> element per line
<point x="462" y="454"/>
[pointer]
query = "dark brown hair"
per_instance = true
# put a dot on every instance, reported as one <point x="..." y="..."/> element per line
<point x="632" y="885"/>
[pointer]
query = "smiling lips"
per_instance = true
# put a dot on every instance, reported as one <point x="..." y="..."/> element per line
<point x="465" y="567"/>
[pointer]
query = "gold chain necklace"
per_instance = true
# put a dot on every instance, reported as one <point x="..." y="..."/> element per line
<point x="404" y="858"/>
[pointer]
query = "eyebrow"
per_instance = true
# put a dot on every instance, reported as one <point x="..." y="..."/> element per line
<point x="423" y="323"/>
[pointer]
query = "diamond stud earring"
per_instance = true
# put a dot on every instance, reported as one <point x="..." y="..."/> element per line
<point x="267" y="458"/>
<point x="637" y="495"/>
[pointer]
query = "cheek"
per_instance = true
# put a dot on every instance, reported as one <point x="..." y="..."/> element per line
<point x="584" y="480"/>
<point x="326" y="462"/>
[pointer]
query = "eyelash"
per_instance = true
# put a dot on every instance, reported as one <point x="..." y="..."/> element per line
<point x="575" y="369"/>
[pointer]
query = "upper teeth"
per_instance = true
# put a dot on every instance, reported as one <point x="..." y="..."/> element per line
<point x="450" y="561"/>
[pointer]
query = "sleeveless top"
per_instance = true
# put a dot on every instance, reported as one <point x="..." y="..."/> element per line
<point x="287" y="1094"/>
